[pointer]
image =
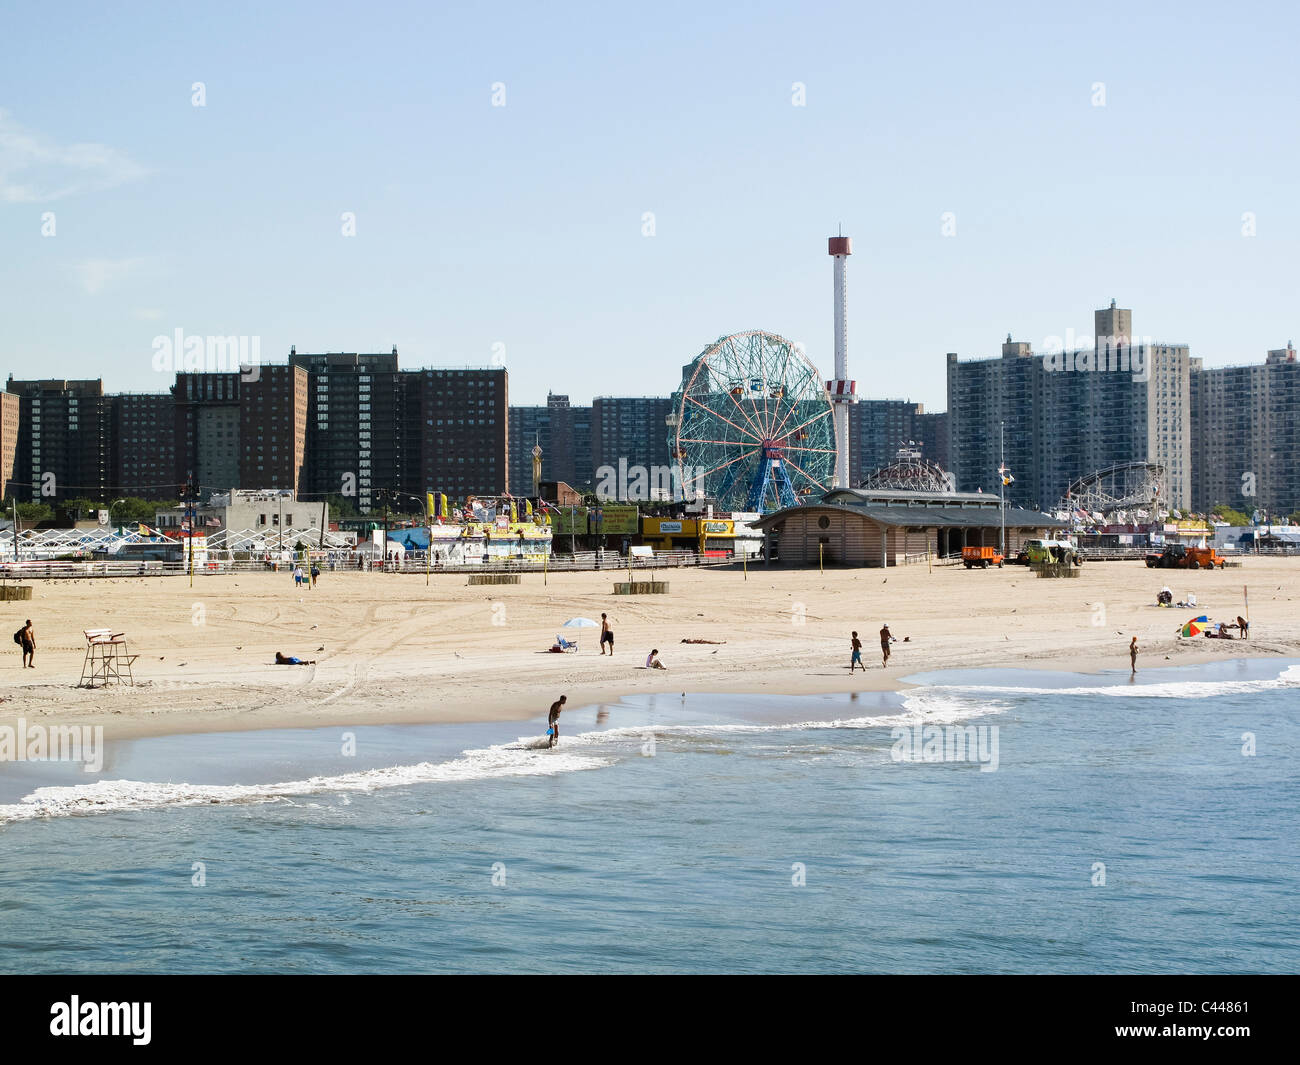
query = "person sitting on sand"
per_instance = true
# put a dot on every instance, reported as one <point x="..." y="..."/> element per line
<point x="652" y="660"/>
<point x="553" y="720"/>
<point x="287" y="660"/>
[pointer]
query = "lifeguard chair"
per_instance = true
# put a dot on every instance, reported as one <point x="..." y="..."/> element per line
<point x="107" y="659"/>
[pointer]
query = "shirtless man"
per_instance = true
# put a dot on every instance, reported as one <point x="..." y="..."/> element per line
<point x="1133" y="653"/>
<point x="28" y="636"/>
<point x="856" y="660"/>
<point x="553" y="720"/>
<point x="606" y="635"/>
<point x="884" y="646"/>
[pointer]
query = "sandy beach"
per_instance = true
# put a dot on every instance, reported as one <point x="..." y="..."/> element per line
<point x="390" y="650"/>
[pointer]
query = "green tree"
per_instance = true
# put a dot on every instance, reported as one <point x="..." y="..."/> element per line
<point x="80" y="508"/>
<point x="134" y="509"/>
<point x="341" y="507"/>
<point x="35" y="512"/>
<point x="1225" y="513"/>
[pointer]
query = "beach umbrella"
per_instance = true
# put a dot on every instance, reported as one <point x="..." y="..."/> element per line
<point x="1194" y="627"/>
<point x="580" y="623"/>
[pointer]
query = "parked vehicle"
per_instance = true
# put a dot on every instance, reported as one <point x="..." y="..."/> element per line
<point x="981" y="556"/>
<point x="1052" y="551"/>
<point x="1181" y="556"/>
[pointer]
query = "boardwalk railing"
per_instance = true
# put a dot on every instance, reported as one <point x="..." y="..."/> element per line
<point x="608" y="562"/>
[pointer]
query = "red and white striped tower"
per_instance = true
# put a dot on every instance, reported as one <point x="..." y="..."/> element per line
<point x="842" y="390"/>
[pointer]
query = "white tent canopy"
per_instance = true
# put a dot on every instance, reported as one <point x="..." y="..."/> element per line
<point x="373" y="550"/>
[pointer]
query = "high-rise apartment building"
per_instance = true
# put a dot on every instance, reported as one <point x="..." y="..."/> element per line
<point x="357" y="441"/>
<point x="206" y="418"/>
<point x="1067" y="414"/>
<point x="10" y="415"/>
<point x="565" y="435"/>
<point x="273" y="428"/>
<point x="143" y="445"/>
<point x="63" y="448"/>
<point x="631" y="428"/>
<point x="879" y="429"/>
<point x="1246" y="424"/>
<point x="463" y="418"/>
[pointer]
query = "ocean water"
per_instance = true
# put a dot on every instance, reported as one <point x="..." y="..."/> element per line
<point x="1123" y="830"/>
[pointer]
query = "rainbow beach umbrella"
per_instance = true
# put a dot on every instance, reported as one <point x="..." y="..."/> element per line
<point x="1195" y="627"/>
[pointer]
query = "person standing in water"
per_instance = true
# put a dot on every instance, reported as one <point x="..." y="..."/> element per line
<point x="553" y="720"/>
<point x="1133" y="654"/>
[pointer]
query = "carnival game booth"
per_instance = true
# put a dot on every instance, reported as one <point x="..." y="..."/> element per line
<point x="483" y="531"/>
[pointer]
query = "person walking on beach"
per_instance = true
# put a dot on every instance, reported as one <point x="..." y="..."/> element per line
<point x="1133" y="653"/>
<point x="884" y="646"/>
<point x="315" y="573"/>
<point x="606" y="635"/>
<point x="27" y="637"/>
<point x="856" y="660"/>
<point x="297" y="576"/>
<point x="553" y="720"/>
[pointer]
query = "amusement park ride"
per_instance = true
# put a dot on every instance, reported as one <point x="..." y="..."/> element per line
<point x="755" y="427"/>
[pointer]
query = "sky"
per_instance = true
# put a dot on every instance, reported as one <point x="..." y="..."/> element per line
<point x="590" y="194"/>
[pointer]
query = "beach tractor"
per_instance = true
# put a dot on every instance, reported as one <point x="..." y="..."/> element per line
<point x="983" y="557"/>
<point x="1180" y="556"/>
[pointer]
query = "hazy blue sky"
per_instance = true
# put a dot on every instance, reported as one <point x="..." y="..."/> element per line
<point x="523" y="225"/>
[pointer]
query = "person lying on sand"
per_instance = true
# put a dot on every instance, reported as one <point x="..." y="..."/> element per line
<point x="704" y="641"/>
<point x="287" y="660"/>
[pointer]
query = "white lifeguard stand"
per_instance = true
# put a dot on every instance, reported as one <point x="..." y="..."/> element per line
<point x="107" y="659"/>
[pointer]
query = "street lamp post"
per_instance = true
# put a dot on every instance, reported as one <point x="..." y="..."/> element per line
<point x="189" y="519"/>
<point x="1002" y="489"/>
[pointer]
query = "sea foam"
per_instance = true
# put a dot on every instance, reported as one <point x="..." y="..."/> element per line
<point x="115" y="796"/>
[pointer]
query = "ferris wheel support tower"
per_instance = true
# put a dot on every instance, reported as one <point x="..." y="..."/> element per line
<point x="843" y="391"/>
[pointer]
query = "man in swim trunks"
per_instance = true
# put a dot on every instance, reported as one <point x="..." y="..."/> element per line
<point x="856" y="660"/>
<point x="553" y="720"/>
<point x="606" y="635"/>
<point x="884" y="646"/>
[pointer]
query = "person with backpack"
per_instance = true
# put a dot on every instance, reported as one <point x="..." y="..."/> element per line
<point x="26" y="639"/>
